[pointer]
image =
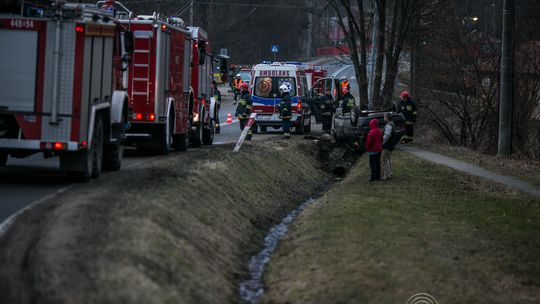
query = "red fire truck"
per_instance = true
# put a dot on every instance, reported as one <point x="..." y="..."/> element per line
<point x="61" y="89"/>
<point x="204" y="107"/>
<point x="168" y="85"/>
<point x="314" y="73"/>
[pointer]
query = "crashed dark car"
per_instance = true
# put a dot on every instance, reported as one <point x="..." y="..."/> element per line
<point x="353" y="126"/>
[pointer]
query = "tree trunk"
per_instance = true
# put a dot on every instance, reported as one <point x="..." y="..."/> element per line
<point x="353" y="33"/>
<point x="379" y="60"/>
<point x="400" y="27"/>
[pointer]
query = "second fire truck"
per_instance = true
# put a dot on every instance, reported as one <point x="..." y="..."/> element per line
<point x="168" y="81"/>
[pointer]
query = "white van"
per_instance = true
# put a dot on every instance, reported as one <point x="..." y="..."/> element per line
<point x="267" y="78"/>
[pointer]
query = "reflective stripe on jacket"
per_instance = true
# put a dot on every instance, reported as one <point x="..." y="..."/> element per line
<point x="285" y="107"/>
<point x="327" y="105"/>
<point x="245" y="105"/>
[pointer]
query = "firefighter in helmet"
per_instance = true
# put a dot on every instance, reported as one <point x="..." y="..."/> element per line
<point x="327" y="110"/>
<point x="214" y="92"/>
<point x="237" y="84"/>
<point x="345" y="83"/>
<point x="285" y="112"/>
<point x="348" y="100"/>
<point x="244" y="108"/>
<point x="408" y="109"/>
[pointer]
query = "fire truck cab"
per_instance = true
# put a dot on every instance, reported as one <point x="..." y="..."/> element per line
<point x="61" y="89"/>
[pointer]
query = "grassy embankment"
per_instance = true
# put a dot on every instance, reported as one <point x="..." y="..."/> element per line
<point x="179" y="229"/>
<point x="430" y="229"/>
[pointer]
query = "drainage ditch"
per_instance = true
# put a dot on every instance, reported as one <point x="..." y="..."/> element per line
<point x="335" y="158"/>
<point x="252" y="289"/>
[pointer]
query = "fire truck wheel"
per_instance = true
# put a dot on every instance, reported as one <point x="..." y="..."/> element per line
<point x="196" y="137"/>
<point x="263" y="129"/>
<point x="113" y="155"/>
<point x="180" y="142"/>
<point x="97" y="147"/>
<point x="208" y="134"/>
<point x="3" y="158"/>
<point x="166" y="138"/>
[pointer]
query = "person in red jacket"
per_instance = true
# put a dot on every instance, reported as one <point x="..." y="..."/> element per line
<point x="374" y="149"/>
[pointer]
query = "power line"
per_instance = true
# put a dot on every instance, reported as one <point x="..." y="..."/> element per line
<point x="230" y="4"/>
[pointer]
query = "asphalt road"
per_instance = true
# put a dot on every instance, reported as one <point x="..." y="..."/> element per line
<point x="27" y="180"/>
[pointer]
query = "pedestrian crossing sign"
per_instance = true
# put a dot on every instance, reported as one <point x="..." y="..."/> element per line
<point x="275" y="48"/>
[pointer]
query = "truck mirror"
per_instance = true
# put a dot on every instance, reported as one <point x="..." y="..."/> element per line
<point x="201" y="44"/>
<point x="223" y="67"/>
<point x="128" y="42"/>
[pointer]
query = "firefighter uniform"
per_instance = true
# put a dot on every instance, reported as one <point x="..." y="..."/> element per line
<point x="243" y="110"/>
<point x="327" y="112"/>
<point x="408" y="108"/>
<point x="285" y="114"/>
<point x="217" y="97"/>
<point x="237" y="84"/>
<point x="348" y="103"/>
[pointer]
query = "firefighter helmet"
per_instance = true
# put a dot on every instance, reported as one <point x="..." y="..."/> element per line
<point x="244" y="86"/>
<point x="284" y="88"/>
<point x="404" y="95"/>
<point x="237" y="75"/>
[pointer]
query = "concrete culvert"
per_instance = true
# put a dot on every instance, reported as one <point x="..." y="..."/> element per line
<point x="339" y="172"/>
<point x="336" y="157"/>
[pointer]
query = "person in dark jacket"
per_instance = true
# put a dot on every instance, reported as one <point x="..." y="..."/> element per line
<point x="327" y="111"/>
<point x="244" y="108"/>
<point x="348" y="101"/>
<point x="214" y="92"/>
<point x="285" y="111"/>
<point x="408" y="108"/>
<point x="374" y="149"/>
<point x="387" y="146"/>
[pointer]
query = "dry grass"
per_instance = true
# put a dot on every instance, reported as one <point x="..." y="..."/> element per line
<point x="430" y="229"/>
<point x="176" y="230"/>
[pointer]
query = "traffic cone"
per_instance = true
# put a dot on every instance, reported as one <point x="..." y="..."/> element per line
<point x="229" y="118"/>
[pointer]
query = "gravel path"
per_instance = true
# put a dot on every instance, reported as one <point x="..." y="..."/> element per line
<point x="509" y="181"/>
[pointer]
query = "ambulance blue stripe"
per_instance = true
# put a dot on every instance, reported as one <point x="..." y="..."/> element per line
<point x="259" y="101"/>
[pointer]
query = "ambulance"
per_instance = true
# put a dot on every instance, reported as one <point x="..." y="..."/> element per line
<point x="266" y="79"/>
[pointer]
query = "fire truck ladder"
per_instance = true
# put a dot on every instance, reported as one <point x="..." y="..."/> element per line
<point x="141" y="64"/>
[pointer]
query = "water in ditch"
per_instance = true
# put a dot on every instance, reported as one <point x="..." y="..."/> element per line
<point x="252" y="289"/>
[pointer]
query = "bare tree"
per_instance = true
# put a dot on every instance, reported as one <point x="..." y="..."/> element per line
<point x="459" y="75"/>
<point x="394" y="23"/>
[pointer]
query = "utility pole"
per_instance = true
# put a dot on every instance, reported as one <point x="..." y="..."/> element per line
<point x="371" y="88"/>
<point x="310" y="29"/>
<point x="507" y="79"/>
<point x="191" y="13"/>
